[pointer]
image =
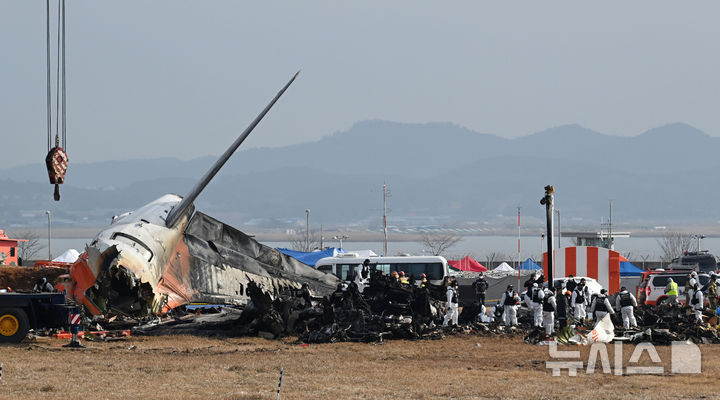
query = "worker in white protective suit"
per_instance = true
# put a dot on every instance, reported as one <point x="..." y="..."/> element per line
<point x="698" y="303"/>
<point x="452" y="304"/>
<point x="548" y="309"/>
<point x="362" y="275"/>
<point x="486" y="317"/>
<point x="509" y="302"/>
<point x="579" y="301"/>
<point x="626" y="303"/>
<point x="536" y="298"/>
<point x="601" y="306"/>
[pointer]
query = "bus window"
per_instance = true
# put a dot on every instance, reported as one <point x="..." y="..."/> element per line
<point x="344" y="271"/>
<point x="385" y="268"/>
<point x="325" y="268"/>
<point x="433" y="271"/>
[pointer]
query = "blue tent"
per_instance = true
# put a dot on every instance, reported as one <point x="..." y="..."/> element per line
<point x="529" y="264"/>
<point x="312" y="257"/>
<point x="628" y="269"/>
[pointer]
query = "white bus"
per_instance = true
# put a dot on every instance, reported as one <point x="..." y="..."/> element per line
<point x="343" y="266"/>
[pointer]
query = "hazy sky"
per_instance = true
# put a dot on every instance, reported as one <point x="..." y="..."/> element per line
<point x="183" y="78"/>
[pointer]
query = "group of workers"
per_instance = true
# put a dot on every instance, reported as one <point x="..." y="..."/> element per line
<point x="695" y="294"/>
<point x="568" y="298"/>
<point x="362" y="273"/>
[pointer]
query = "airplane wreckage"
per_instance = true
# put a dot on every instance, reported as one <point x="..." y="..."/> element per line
<point x="165" y="254"/>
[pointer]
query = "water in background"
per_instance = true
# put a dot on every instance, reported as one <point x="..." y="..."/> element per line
<point x="478" y="247"/>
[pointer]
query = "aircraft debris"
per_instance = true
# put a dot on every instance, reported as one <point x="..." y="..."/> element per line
<point x="163" y="255"/>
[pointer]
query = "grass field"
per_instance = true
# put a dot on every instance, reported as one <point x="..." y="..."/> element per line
<point x="462" y="367"/>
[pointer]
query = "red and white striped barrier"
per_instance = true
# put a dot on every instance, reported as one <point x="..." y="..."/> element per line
<point x="74" y="319"/>
<point x="598" y="263"/>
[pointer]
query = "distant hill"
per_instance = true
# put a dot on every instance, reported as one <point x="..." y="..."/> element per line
<point x="435" y="170"/>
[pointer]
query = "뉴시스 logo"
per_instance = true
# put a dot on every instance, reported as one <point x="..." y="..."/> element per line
<point x="685" y="359"/>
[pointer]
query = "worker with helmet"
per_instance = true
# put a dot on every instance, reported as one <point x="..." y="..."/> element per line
<point x="395" y="277"/>
<point x="672" y="291"/>
<point x="423" y="280"/>
<point x="626" y="302"/>
<point x="453" y="300"/>
<point x="509" y="302"/>
<point x="712" y="291"/>
<point x="404" y="279"/>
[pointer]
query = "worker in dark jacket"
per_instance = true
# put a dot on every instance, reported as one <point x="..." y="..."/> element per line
<point x="480" y="285"/>
<point x="561" y="306"/>
<point x="42" y="285"/>
<point x="571" y="284"/>
<point x="601" y="306"/>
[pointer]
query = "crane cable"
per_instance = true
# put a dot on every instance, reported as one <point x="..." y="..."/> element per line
<point x="49" y="89"/>
<point x="64" y="87"/>
<point x="56" y="160"/>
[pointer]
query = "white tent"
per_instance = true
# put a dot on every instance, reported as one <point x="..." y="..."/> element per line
<point x="504" y="267"/>
<point x="69" y="256"/>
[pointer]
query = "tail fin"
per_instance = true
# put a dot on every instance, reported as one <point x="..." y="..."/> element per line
<point x="188" y="200"/>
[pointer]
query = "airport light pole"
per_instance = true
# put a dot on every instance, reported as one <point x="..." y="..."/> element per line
<point x="49" y="251"/>
<point x="559" y="231"/>
<point x="307" y="229"/>
<point x="548" y="201"/>
<point x="698" y="237"/>
<point x="340" y="238"/>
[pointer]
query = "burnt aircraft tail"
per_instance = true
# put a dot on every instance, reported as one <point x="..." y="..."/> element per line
<point x="180" y="209"/>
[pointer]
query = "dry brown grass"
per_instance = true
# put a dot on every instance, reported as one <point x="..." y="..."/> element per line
<point x="248" y="368"/>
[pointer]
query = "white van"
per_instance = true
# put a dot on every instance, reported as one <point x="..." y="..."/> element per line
<point x="343" y="266"/>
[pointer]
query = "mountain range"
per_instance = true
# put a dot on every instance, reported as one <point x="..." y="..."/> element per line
<point x="438" y="173"/>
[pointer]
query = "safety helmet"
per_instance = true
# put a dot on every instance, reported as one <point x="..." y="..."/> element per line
<point x="402" y="273"/>
<point x="422" y="275"/>
<point x="510" y="287"/>
<point x="394" y="273"/>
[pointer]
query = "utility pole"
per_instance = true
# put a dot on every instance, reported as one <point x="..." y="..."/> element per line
<point x="518" y="257"/>
<point x="307" y="229"/>
<point x="385" y="241"/>
<point x="322" y="239"/>
<point x="610" y="237"/>
<point x="547" y="201"/>
<point x="558" y="228"/>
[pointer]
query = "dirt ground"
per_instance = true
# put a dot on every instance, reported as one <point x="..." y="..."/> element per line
<point x="461" y="367"/>
<point x="23" y="278"/>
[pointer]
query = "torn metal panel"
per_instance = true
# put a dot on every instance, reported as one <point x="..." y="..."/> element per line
<point x="216" y="262"/>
